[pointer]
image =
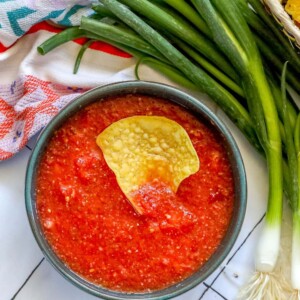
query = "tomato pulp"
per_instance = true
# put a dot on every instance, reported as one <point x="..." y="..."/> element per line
<point x="95" y="231"/>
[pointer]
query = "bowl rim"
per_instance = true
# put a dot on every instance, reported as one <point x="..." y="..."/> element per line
<point x="193" y="105"/>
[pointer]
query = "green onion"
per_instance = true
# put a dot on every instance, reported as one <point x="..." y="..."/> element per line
<point x="120" y="35"/>
<point x="73" y="33"/>
<point x="226" y="81"/>
<point x="263" y="26"/>
<point x="188" y="11"/>
<point x="103" y="11"/>
<point x="293" y="157"/>
<point x="80" y="55"/>
<point x="166" y="70"/>
<point x="275" y="62"/>
<point x="277" y="94"/>
<point x="64" y="36"/>
<point x="290" y="147"/>
<point x="275" y="51"/>
<point x="183" y="30"/>
<point x="233" y="36"/>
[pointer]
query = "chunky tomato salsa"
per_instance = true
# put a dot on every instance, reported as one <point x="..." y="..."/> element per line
<point x="95" y="231"/>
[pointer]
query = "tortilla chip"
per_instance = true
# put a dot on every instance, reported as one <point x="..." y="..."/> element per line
<point x="140" y="149"/>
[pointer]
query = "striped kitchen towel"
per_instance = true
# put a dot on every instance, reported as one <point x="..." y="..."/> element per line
<point x="17" y="16"/>
<point x="33" y="88"/>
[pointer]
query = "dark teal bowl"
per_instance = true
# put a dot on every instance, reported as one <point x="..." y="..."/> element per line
<point x="195" y="107"/>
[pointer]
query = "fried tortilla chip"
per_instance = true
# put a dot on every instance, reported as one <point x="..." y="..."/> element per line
<point x="140" y="149"/>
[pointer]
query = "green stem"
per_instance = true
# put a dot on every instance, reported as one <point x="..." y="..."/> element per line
<point x="183" y="30"/>
<point x="290" y="147"/>
<point x="274" y="61"/>
<point x="64" y="36"/>
<point x="167" y="70"/>
<point x="103" y="11"/>
<point x="277" y="95"/>
<point x="297" y="148"/>
<point x="264" y="32"/>
<point x="73" y="33"/>
<point x="232" y="33"/>
<point x="80" y="55"/>
<point x="297" y="134"/>
<point x="225" y="80"/>
<point x="189" y="12"/>
<point x="120" y="35"/>
<point x="295" y="260"/>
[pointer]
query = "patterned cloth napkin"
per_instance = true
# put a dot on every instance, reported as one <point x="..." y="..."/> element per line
<point x="17" y="16"/>
<point x="33" y="88"/>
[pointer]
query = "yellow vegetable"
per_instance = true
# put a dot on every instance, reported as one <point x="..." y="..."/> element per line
<point x="293" y="8"/>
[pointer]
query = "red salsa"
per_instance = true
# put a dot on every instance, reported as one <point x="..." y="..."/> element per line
<point x="95" y="231"/>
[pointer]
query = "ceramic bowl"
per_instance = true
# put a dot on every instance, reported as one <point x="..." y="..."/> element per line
<point x="197" y="108"/>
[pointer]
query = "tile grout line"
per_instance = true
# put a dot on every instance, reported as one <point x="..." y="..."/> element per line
<point x="209" y="286"/>
<point x="246" y="238"/>
<point x="27" y="279"/>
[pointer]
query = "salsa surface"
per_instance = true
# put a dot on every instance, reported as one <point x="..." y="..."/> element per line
<point x="95" y="231"/>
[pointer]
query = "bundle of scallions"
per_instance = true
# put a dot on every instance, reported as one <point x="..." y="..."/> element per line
<point x="233" y="52"/>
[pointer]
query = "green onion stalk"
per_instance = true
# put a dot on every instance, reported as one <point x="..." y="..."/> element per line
<point x="274" y="47"/>
<point x="83" y="48"/>
<point x="292" y="133"/>
<point x="179" y="27"/>
<point x="119" y="34"/>
<point x="75" y="32"/>
<point x="295" y="261"/>
<point x="170" y="72"/>
<point x="264" y="26"/>
<point x="275" y="62"/>
<point x="233" y="36"/>
<point x="206" y="65"/>
<point x="190" y="14"/>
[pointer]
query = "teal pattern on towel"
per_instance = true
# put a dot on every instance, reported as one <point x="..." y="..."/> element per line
<point x="18" y="16"/>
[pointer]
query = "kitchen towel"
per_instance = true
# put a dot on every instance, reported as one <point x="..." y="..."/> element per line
<point x="33" y="88"/>
<point x="17" y="16"/>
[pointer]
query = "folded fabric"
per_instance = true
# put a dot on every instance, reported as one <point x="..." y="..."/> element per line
<point x="17" y="16"/>
<point x="34" y="88"/>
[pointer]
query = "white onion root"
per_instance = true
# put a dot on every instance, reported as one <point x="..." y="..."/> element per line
<point x="266" y="286"/>
<point x="295" y="295"/>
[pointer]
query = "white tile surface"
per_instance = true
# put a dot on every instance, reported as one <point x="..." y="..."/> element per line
<point x="237" y="272"/>
<point x="47" y="284"/>
<point x="19" y="252"/>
